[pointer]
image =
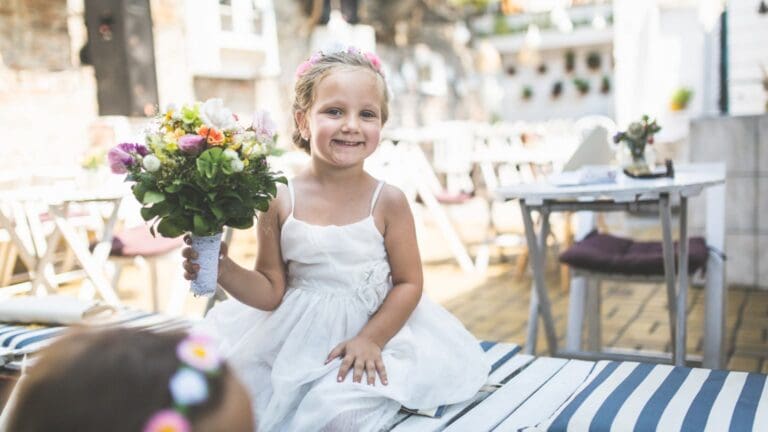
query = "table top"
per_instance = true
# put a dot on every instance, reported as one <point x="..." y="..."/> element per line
<point x="689" y="181"/>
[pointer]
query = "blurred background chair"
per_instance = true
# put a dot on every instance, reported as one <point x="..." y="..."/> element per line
<point x="138" y="246"/>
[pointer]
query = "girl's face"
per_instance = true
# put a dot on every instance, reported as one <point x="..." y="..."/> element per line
<point x="344" y="122"/>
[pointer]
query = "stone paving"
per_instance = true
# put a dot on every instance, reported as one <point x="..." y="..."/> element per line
<point x="494" y="306"/>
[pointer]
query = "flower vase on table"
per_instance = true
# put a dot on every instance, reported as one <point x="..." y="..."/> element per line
<point x="637" y="139"/>
<point x="198" y="172"/>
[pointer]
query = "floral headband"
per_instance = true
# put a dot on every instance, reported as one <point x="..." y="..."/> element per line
<point x="188" y="385"/>
<point x="315" y="58"/>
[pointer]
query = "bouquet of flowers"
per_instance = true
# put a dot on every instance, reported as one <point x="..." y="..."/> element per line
<point x="637" y="135"/>
<point x="198" y="172"/>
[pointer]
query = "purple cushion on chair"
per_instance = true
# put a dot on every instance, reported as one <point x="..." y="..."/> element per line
<point x="138" y="241"/>
<point x="604" y="253"/>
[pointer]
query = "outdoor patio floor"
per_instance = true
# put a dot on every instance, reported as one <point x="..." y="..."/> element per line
<point x="494" y="306"/>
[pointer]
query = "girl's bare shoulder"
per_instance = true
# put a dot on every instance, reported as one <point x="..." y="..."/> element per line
<point x="392" y="203"/>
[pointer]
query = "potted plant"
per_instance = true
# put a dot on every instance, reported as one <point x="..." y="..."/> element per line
<point x="582" y="85"/>
<point x="680" y="99"/>
<point x="557" y="89"/>
<point x="594" y="60"/>
<point x="527" y="92"/>
<point x="605" y="84"/>
<point x="570" y="61"/>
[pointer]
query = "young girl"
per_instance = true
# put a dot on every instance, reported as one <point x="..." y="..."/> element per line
<point x="330" y="330"/>
<point x="128" y="380"/>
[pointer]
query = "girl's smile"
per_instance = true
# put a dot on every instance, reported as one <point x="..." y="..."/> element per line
<point x="344" y="123"/>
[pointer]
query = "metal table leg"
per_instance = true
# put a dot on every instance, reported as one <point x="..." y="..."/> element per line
<point x="668" y="247"/>
<point x="537" y="252"/>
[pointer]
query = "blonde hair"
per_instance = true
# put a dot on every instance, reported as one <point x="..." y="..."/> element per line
<point x="321" y="66"/>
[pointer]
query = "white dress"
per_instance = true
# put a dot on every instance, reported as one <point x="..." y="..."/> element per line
<point x="338" y="276"/>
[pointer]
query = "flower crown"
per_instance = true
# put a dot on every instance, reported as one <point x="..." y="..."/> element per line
<point x="315" y="58"/>
<point x="188" y="385"/>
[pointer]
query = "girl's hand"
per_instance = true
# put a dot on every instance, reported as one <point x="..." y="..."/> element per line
<point x="361" y="354"/>
<point x="189" y="254"/>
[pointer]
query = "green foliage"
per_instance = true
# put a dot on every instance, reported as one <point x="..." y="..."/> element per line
<point x="208" y="197"/>
<point x="527" y="92"/>
<point x="582" y="85"/>
<point x="680" y="98"/>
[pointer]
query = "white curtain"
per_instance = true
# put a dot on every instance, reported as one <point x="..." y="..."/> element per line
<point x="639" y="54"/>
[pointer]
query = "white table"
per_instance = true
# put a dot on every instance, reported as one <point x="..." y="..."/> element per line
<point x="627" y="194"/>
<point x="37" y="250"/>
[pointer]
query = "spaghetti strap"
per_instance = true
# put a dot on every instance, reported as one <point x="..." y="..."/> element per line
<point x="290" y="193"/>
<point x="376" y="195"/>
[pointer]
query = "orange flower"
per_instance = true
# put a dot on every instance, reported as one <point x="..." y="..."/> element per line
<point x="212" y="136"/>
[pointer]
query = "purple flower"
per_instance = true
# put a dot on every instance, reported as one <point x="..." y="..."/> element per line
<point x="191" y="144"/>
<point x="140" y="149"/>
<point x="263" y="125"/>
<point x="123" y="156"/>
<point x="618" y="137"/>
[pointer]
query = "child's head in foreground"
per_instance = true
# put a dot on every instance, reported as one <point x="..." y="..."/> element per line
<point x="341" y="80"/>
<point x="130" y="380"/>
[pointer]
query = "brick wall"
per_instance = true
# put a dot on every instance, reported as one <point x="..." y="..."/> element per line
<point x="33" y="34"/>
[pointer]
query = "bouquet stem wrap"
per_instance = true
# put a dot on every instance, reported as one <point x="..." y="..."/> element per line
<point x="207" y="248"/>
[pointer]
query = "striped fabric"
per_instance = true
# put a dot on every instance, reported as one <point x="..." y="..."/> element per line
<point x="526" y="393"/>
<point x="16" y="340"/>
<point x="630" y="396"/>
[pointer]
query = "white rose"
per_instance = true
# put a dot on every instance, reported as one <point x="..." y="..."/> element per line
<point x="230" y="154"/>
<point x="236" y="165"/>
<point x="214" y="114"/>
<point x="151" y="163"/>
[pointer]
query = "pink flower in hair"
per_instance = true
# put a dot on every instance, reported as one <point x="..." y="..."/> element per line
<point x="307" y="64"/>
<point x="199" y="351"/>
<point x="167" y="421"/>
<point x="374" y="59"/>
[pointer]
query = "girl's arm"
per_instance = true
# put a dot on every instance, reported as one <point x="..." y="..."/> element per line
<point x="263" y="287"/>
<point x="363" y="352"/>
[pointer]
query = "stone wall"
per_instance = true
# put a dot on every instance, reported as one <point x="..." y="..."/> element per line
<point x="33" y="35"/>
<point x="742" y="142"/>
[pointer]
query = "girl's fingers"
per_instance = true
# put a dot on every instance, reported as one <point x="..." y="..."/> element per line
<point x="335" y="352"/>
<point x="346" y="365"/>
<point x="370" y="372"/>
<point x="357" y="376"/>
<point x="382" y="371"/>
<point x="188" y="253"/>
<point x="187" y="239"/>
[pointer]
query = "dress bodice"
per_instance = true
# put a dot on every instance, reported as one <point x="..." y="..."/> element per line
<point x="338" y="260"/>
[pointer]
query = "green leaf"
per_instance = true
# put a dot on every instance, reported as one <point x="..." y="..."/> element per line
<point x="151" y="197"/>
<point x="262" y="205"/>
<point x="201" y="226"/>
<point x="241" y="222"/>
<point x="139" y="189"/>
<point x="147" y="213"/>
<point x="217" y="211"/>
<point x="169" y="227"/>
<point x="174" y="187"/>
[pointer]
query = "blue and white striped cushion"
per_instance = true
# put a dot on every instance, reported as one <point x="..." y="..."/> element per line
<point x="17" y="340"/>
<point x="626" y="396"/>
